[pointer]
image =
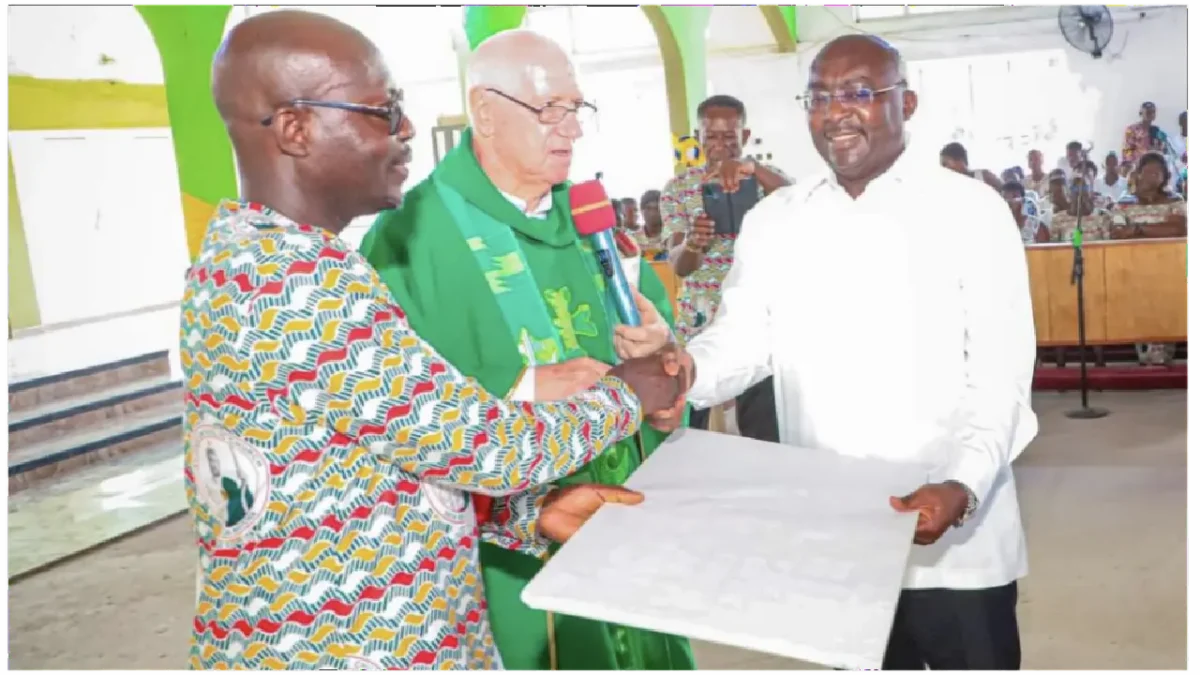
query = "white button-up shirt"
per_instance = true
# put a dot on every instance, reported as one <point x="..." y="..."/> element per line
<point x="924" y="275"/>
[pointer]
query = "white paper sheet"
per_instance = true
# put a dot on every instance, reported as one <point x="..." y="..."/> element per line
<point x="773" y="548"/>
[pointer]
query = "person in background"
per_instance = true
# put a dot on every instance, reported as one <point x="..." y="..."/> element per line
<point x="1011" y="174"/>
<point x="362" y="442"/>
<point x="954" y="157"/>
<point x="1152" y="212"/>
<point x="1073" y="158"/>
<point x="1037" y="181"/>
<point x="703" y="259"/>
<point x="1079" y="199"/>
<point x="619" y="212"/>
<point x="1056" y="192"/>
<point x="484" y="257"/>
<point x="651" y="238"/>
<point x="629" y="215"/>
<point x="1025" y="213"/>
<point x="1111" y="186"/>
<point x="1143" y="136"/>
<point x="1178" y="141"/>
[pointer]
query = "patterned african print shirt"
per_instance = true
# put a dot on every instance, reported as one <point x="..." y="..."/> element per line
<point x="328" y="455"/>
<point x="1096" y="227"/>
<point x="683" y="198"/>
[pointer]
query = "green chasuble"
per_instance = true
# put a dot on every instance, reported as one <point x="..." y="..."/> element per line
<point x="496" y="292"/>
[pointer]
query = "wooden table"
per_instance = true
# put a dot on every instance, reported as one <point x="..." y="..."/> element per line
<point x="1134" y="291"/>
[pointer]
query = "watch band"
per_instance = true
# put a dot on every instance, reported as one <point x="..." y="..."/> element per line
<point x="972" y="503"/>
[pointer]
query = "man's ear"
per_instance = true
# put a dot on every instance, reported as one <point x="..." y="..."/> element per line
<point x="745" y="136"/>
<point x="910" y="104"/>
<point x="292" y="130"/>
<point x="483" y="122"/>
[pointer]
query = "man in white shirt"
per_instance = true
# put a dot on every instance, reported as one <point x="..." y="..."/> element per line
<point x="846" y="257"/>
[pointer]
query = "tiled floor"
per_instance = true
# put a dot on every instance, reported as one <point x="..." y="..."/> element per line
<point x="91" y="506"/>
<point x="1103" y="501"/>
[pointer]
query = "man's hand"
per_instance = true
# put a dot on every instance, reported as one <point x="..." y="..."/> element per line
<point x="634" y="342"/>
<point x="938" y="505"/>
<point x="731" y="172"/>
<point x="669" y="420"/>
<point x="567" y="509"/>
<point x="564" y="380"/>
<point x="655" y="380"/>
<point x="699" y="237"/>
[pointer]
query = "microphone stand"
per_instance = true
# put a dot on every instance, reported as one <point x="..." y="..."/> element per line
<point x="1085" y="412"/>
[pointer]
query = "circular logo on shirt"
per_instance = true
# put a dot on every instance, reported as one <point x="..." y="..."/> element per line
<point x="453" y="506"/>
<point x="232" y="477"/>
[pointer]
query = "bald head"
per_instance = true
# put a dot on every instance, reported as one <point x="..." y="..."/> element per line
<point x="275" y="57"/>
<point x="510" y="77"/>
<point x="515" y="61"/>
<point x="307" y="102"/>
<point x="870" y="50"/>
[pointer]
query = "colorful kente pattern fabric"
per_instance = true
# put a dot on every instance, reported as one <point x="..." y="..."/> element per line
<point x="328" y="455"/>
<point x="683" y="198"/>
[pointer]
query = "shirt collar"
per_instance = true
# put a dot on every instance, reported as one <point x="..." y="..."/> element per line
<point x="905" y="166"/>
<point x="540" y="210"/>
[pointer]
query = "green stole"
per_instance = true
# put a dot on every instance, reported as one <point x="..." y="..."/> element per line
<point x="463" y="261"/>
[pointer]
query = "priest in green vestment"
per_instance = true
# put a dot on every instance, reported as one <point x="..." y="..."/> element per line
<point x="485" y="261"/>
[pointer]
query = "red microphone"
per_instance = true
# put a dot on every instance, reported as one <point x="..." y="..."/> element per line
<point x="594" y="218"/>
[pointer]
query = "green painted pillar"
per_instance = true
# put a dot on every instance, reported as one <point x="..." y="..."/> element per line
<point x="681" y="40"/>
<point x="187" y="37"/>
<point x="483" y="21"/>
<point x="781" y="19"/>
<point x="23" y="309"/>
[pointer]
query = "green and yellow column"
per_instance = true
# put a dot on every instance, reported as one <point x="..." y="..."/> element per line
<point x="781" y="19"/>
<point x="187" y="37"/>
<point x="681" y="41"/>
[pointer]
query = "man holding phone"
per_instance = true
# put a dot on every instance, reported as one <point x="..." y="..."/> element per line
<point x="705" y="256"/>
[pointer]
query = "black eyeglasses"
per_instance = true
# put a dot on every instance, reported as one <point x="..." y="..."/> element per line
<point x="819" y="99"/>
<point x="553" y="113"/>
<point x="393" y="111"/>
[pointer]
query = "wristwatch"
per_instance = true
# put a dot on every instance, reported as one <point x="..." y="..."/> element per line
<point x="972" y="503"/>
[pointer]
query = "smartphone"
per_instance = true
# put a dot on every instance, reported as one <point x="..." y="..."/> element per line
<point x="727" y="209"/>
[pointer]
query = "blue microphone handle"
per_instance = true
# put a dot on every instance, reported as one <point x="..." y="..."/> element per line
<point x="609" y="258"/>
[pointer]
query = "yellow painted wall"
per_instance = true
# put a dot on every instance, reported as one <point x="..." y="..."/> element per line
<point x="35" y="104"/>
<point x="22" y="299"/>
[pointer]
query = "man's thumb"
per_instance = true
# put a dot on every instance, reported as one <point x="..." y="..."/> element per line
<point x="619" y="495"/>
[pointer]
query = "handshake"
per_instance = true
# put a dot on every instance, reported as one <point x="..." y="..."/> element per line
<point x="659" y="372"/>
<point x="661" y="381"/>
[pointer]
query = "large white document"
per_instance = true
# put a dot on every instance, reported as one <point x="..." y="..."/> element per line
<point x="768" y="547"/>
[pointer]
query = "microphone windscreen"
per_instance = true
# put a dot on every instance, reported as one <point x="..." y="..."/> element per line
<point x="590" y="208"/>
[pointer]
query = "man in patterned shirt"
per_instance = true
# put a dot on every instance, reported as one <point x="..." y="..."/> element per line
<point x="354" y="443"/>
<point x="704" y="258"/>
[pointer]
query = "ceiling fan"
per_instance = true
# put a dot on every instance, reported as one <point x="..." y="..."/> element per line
<point x="1088" y="28"/>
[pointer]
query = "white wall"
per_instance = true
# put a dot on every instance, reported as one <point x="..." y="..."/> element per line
<point x="103" y="221"/>
<point x="1082" y="98"/>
